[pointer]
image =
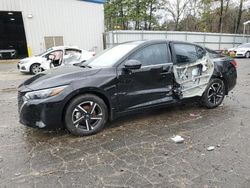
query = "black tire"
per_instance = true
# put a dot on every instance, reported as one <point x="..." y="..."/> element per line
<point x="247" y="54"/>
<point x="86" y="115"/>
<point x="34" y="68"/>
<point x="214" y="93"/>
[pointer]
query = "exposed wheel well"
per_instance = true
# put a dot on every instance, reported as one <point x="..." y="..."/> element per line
<point x="100" y="95"/>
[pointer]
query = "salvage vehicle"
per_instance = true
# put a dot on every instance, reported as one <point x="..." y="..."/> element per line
<point x="242" y="50"/>
<point x="54" y="57"/>
<point x="128" y="78"/>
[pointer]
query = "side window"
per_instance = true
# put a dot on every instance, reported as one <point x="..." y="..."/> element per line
<point x="152" y="55"/>
<point x="185" y="53"/>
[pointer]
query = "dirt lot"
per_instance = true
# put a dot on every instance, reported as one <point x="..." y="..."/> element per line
<point x="133" y="151"/>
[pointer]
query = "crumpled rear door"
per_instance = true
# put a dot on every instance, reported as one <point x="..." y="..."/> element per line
<point x="192" y="73"/>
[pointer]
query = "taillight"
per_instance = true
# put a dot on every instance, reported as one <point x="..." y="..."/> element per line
<point x="234" y="63"/>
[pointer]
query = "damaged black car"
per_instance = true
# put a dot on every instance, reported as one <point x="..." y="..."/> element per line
<point x="127" y="78"/>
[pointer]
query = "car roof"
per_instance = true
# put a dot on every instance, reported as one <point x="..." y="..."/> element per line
<point x="64" y="47"/>
<point x="157" y="41"/>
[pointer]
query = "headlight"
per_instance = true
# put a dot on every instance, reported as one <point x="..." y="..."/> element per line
<point x="22" y="62"/>
<point x="45" y="93"/>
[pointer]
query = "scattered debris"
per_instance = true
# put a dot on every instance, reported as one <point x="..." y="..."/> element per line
<point x="177" y="139"/>
<point x="210" y="148"/>
<point x="17" y="174"/>
<point x="241" y="123"/>
<point x="194" y="115"/>
<point x="160" y="175"/>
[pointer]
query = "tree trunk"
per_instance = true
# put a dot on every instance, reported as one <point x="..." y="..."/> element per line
<point x="150" y="15"/>
<point x="239" y="17"/>
<point x="221" y="16"/>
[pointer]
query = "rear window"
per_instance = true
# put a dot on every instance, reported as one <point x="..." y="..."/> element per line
<point x="213" y="54"/>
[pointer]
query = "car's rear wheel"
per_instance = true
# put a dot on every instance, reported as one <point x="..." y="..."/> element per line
<point x="86" y="115"/>
<point x="248" y="55"/>
<point x="35" y="68"/>
<point x="214" y="94"/>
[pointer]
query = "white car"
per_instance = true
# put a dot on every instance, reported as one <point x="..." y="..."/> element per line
<point x="54" y="57"/>
<point x="242" y="50"/>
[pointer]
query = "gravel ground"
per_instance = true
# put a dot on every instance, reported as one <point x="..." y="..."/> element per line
<point x="133" y="151"/>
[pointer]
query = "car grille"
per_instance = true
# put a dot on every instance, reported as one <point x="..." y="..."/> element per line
<point x="20" y="100"/>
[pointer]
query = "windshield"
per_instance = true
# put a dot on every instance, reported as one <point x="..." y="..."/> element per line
<point x="44" y="52"/>
<point x="110" y="56"/>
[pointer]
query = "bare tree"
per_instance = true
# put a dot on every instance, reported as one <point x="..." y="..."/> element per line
<point x="176" y="9"/>
<point x="221" y="15"/>
<point x="239" y="16"/>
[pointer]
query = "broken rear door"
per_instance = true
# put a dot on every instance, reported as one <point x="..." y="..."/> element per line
<point x="192" y="69"/>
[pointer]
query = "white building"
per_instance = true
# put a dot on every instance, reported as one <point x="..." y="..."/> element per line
<point x="39" y="24"/>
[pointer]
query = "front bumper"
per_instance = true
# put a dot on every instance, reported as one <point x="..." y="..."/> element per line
<point x="43" y="114"/>
<point x="23" y="68"/>
<point x="240" y="54"/>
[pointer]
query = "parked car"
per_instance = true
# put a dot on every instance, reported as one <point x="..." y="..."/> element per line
<point x="242" y="50"/>
<point x="8" y="54"/>
<point x="127" y="78"/>
<point x="53" y="57"/>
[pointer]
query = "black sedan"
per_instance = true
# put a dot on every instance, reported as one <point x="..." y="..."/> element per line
<point x="125" y="79"/>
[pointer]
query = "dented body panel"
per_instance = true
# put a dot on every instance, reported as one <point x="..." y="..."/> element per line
<point x="158" y="82"/>
<point x="194" y="77"/>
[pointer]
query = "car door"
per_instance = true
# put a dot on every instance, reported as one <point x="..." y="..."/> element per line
<point x="192" y="69"/>
<point x="151" y="84"/>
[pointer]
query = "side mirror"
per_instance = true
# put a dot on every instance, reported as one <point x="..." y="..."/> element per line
<point x="132" y="64"/>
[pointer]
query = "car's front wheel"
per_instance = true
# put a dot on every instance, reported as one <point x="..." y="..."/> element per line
<point x="35" y="68"/>
<point x="248" y="55"/>
<point x="86" y="115"/>
<point x="214" y="94"/>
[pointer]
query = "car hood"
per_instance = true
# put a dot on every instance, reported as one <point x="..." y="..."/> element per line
<point x="241" y="49"/>
<point x="33" y="59"/>
<point x="57" y="77"/>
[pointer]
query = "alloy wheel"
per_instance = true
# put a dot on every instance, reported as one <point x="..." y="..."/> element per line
<point x="87" y="115"/>
<point x="215" y="93"/>
<point x="36" y="69"/>
<point x="248" y="55"/>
